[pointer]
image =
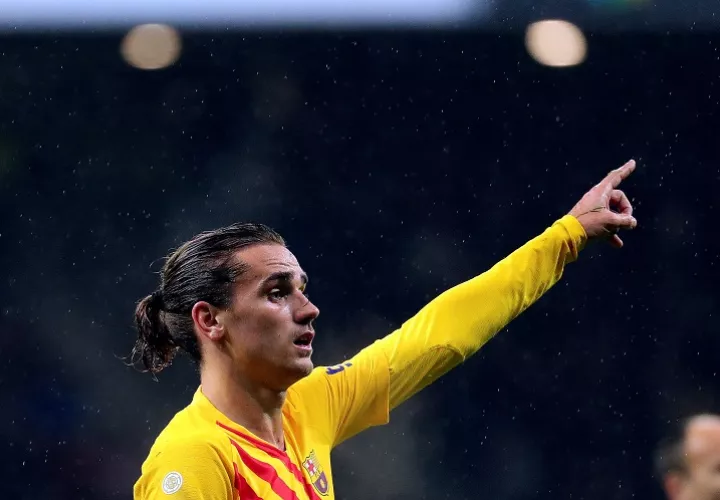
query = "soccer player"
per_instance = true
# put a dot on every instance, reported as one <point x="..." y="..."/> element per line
<point x="687" y="461"/>
<point x="263" y="421"/>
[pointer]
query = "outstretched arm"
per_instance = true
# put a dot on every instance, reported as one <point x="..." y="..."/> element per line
<point x="461" y="320"/>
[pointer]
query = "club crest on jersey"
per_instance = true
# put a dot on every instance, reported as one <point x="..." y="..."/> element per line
<point x="316" y="473"/>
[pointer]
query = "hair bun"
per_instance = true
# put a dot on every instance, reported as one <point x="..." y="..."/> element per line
<point x="157" y="299"/>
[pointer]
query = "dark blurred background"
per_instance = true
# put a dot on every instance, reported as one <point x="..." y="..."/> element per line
<point x="397" y="160"/>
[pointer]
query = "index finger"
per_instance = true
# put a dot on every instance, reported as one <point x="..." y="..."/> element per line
<point x="618" y="175"/>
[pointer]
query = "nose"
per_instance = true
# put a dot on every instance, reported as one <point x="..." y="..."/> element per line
<point x="306" y="313"/>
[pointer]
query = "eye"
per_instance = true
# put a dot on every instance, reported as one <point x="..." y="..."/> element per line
<point x="277" y="294"/>
<point x="282" y="292"/>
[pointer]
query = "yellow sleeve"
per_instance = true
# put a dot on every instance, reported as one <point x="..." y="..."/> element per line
<point x="192" y="470"/>
<point x="461" y="320"/>
<point x="342" y="400"/>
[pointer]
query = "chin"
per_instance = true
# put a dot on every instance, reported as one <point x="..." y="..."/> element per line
<point x="298" y="371"/>
<point x="304" y="367"/>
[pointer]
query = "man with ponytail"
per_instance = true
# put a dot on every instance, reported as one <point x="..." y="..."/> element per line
<point x="263" y="421"/>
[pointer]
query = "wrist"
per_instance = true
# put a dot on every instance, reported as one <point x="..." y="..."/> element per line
<point x="575" y="231"/>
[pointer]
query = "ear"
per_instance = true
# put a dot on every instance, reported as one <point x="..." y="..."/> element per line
<point x="673" y="485"/>
<point x="205" y="317"/>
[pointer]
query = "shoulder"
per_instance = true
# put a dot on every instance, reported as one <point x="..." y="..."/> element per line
<point x="202" y="444"/>
<point x="190" y="429"/>
<point x="325" y="386"/>
<point x="315" y="383"/>
<point x="312" y="394"/>
<point x="183" y="437"/>
<point x="324" y="380"/>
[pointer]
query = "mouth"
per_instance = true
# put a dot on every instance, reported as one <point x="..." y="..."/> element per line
<point x="304" y="341"/>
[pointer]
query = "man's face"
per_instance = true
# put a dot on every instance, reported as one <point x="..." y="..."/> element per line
<point x="702" y="458"/>
<point x="270" y="322"/>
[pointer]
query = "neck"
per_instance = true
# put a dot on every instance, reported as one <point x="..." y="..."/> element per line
<point x="254" y="407"/>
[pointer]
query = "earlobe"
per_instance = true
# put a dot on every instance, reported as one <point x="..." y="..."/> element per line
<point x="672" y="485"/>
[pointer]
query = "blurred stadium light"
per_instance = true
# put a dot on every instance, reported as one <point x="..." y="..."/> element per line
<point x="151" y="46"/>
<point x="109" y="14"/>
<point x="556" y="43"/>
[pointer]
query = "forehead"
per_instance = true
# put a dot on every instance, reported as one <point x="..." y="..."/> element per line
<point x="264" y="260"/>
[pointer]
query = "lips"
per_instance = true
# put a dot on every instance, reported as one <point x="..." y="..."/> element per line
<point x="304" y="339"/>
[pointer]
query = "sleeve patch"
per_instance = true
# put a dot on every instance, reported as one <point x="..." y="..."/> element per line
<point x="172" y="482"/>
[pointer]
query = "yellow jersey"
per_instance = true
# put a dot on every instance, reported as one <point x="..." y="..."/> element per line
<point x="202" y="455"/>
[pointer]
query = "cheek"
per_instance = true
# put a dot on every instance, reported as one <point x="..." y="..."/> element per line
<point x="270" y="323"/>
<point x="261" y="327"/>
<point x="256" y="320"/>
<point x="252" y="349"/>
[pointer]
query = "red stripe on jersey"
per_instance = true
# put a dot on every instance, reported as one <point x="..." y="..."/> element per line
<point x="267" y="473"/>
<point x="276" y="453"/>
<point x="244" y="489"/>
<point x="262" y="445"/>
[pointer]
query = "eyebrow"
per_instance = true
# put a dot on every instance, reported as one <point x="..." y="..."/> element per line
<point x="284" y="276"/>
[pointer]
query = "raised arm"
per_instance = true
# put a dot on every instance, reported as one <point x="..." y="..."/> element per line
<point x="461" y="320"/>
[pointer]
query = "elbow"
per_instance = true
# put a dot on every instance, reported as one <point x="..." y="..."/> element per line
<point x="467" y="346"/>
